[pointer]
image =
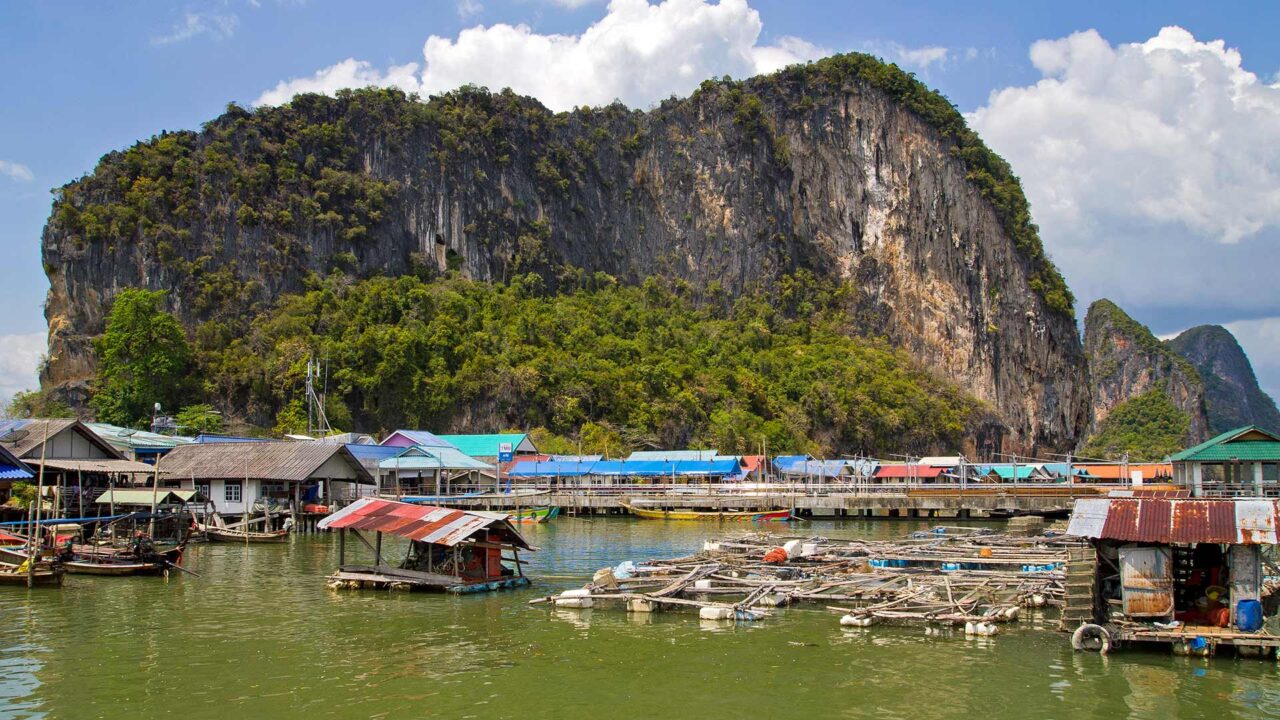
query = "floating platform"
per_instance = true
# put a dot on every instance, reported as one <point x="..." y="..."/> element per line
<point x="385" y="577"/>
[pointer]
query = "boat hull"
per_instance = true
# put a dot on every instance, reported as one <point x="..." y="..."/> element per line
<point x="239" y="536"/>
<point x="749" y="516"/>
<point x="535" y="515"/>
<point x="43" y="577"/>
<point x="113" y="569"/>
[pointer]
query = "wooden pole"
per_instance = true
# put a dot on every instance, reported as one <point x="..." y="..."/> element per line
<point x="342" y="547"/>
<point x="32" y="538"/>
<point x="377" y="550"/>
<point x="155" y="493"/>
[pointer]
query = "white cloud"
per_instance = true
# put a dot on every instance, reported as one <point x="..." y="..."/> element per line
<point x="637" y="52"/>
<point x="16" y="171"/>
<point x="1153" y="170"/>
<point x="19" y="363"/>
<point x="921" y="57"/>
<point x="215" y="25"/>
<point x="573" y="4"/>
<point x="468" y="8"/>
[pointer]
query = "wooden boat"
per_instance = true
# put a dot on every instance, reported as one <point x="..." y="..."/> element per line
<point x="535" y="515"/>
<point x="747" y="516"/>
<point x="45" y="575"/>
<point x="115" y="568"/>
<point x="235" y="535"/>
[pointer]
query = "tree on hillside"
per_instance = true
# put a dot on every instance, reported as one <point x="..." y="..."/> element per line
<point x="37" y="404"/>
<point x="199" y="418"/>
<point x="1146" y="427"/>
<point x="143" y="358"/>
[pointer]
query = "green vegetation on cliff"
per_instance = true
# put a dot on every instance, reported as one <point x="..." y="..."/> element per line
<point x="657" y="365"/>
<point x="143" y="358"/>
<point x="1145" y="427"/>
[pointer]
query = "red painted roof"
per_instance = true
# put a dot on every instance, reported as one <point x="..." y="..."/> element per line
<point x="1150" y="471"/>
<point x="424" y="523"/>
<point x="1182" y="521"/>
<point x="908" y="471"/>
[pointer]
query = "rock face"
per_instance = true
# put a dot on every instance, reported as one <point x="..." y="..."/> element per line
<point x="1126" y="360"/>
<point x="1232" y="395"/>
<point x="736" y="186"/>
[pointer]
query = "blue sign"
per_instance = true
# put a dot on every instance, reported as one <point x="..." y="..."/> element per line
<point x="505" y="453"/>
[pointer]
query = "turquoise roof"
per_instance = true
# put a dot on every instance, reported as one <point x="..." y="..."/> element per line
<point x="1006" y="471"/>
<point x="419" y="457"/>
<point x="480" y="446"/>
<point x="1246" y="443"/>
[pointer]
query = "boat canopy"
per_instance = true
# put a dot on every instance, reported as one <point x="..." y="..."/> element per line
<point x="145" y="497"/>
<point x="424" y="523"/>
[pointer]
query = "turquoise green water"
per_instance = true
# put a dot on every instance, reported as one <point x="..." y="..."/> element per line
<point x="259" y="635"/>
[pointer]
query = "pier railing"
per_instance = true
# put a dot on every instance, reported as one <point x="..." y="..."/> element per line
<point x="771" y="489"/>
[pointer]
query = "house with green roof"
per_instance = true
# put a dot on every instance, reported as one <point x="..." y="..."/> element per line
<point x="1240" y="462"/>
<point x="485" y="447"/>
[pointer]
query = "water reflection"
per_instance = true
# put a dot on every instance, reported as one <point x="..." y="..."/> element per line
<point x="259" y="635"/>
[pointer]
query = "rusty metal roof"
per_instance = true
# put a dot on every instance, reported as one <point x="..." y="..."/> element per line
<point x="270" y="461"/>
<point x="1182" y="521"/>
<point x="424" y="523"/>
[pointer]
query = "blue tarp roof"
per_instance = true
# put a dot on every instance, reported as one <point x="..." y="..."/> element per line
<point x="551" y="468"/>
<point x="208" y="438"/>
<point x="418" y="457"/>
<point x="379" y="452"/>
<point x="782" y="462"/>
<point x="659" y="468"/>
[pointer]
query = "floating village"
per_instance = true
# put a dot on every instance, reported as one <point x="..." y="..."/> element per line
<point x="1178" y="554"/>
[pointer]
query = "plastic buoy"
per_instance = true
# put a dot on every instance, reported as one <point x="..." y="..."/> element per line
<point x="716" y="613"/>
<point x="579" y="603"/>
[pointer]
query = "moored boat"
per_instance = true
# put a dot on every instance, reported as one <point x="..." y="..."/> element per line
<point x="780" y="515"/>
<point x="234" y="535"/>
<point x="114" y="567"/>
<point x="535" y="515"/>
<point x="44" y="575"/>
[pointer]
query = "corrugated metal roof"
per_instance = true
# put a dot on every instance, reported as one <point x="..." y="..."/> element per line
<point x="22" y="437"/>
<point x="1006" y="472"/>
<point x="433" y="458"/>
<point x="659" y="468"/>
<point x="11" y="468"/>
<point x="408" y="438"/>
<point x="143" y="497"/>
<point x="123" y="438"/>
<point x="1111" y="471"/>
<point x="672" y="455"/>
<point x="98" y="466"/>
<point x="817" y="468"/>
<point x="1244" y="443"/>
<point x="1180" y="521"/>
<point x="908" y="471"/>
<point x="272" y="461"/>
<point x="483" y="446"/>
<point x="550" y="468"/>
<point x="942" y="461"/>
<point x="423" y="523"/>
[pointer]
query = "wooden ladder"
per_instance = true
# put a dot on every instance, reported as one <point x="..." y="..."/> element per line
<point x="1078" y="602"/>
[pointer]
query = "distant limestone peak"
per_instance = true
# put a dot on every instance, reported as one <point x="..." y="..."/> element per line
<point x="1232" y="395"/>
<point x="1127" y="361"/>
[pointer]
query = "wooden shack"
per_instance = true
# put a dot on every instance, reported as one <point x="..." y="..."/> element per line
<point x="1184" y="572"/>
<point x="456" y="551"/>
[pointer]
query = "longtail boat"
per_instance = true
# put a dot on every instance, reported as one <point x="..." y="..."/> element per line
<point x="739" y="516"/>
<point x="535" y="515"/>
<point x="44" y="575"/>
<point x="233" y="535"/>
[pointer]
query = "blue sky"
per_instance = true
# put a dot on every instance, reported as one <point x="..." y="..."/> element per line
<point x="87" y="78"/>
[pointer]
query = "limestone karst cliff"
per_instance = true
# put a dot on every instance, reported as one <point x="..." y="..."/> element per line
<point x="846" y="168"/>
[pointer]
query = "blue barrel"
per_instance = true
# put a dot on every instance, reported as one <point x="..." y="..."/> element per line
<point x="1249" y="616"/>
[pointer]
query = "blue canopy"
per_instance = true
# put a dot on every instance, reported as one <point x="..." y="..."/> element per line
<point x="550" y="468"/>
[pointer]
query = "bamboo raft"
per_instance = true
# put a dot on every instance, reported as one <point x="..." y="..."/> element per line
<point x="975" y="579"/>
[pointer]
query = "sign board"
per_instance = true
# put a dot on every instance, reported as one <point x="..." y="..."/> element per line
<point x="1135" y="476"/>
<point x="505" y="454"/>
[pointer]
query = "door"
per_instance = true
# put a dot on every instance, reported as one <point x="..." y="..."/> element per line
<point x="1146" y="578"/>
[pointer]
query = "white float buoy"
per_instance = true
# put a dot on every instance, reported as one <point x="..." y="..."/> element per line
<point x="577" y="603"/>
<point x="716" y="613"/>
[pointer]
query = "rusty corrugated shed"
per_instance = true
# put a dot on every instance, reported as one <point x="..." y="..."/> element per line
<point x="1183" y="521"/>
<point x="270" y="461"/>
<point x="424" y="523"/>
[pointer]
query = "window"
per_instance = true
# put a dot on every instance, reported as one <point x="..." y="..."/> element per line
<point x="231" y="492"/>
<point x="202" y="489"/>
